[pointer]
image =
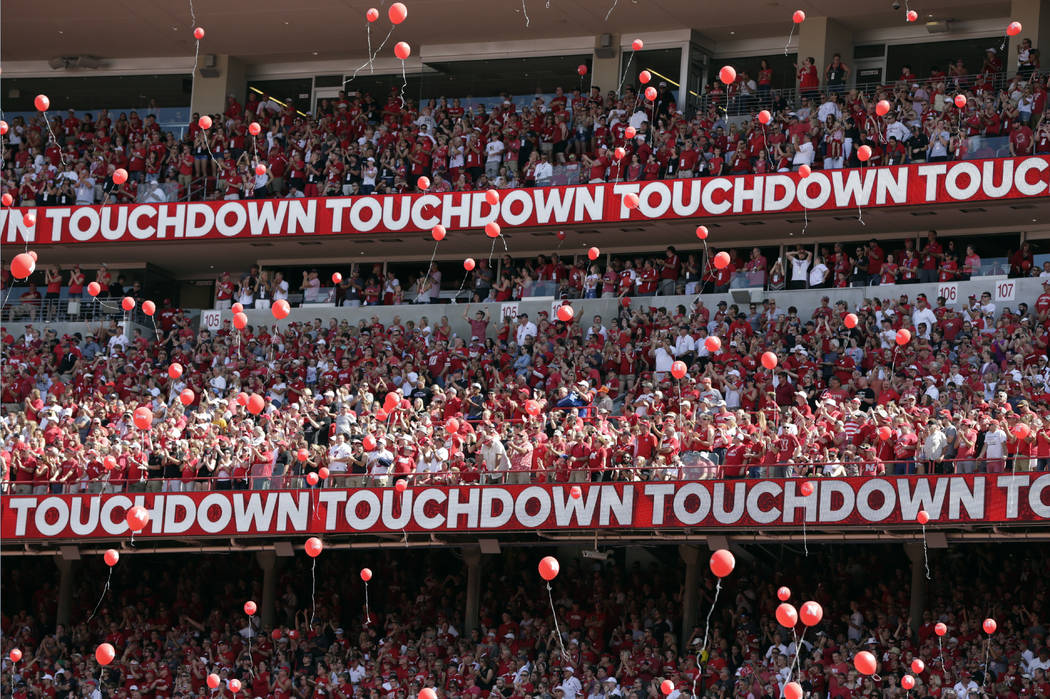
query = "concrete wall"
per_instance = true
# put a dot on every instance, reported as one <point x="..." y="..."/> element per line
<point x="822" y="38"/>
<point x="209" y="94"/>
<point x="1034" y="16"/>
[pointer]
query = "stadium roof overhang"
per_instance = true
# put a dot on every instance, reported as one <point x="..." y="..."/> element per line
<point x="267" y="30"/>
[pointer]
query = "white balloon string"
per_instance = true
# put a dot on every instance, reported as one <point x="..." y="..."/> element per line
<point x="940" y="652"/>
<point x="61" y="152"/>
<point x="805" y="218"/>
<point x="798" y="649"/>
<point x="368" y="33"/>
<point x="104" y="591"/>
<point x="557" y="629"/>
<point x="984" y="679"/>
<point x="610" y="10"/>
<point x="313" y="592"/>
<point x="707" y="626"/>
<point x="193" y="27"/>
<point x="371" y="57"/>
<point x="624" y="76"/>
<point x="805" y="542"/>
<point x="404" y="84"/>
<point x="925" y="553"/>
<point x="251" y="632"/>
<point x="367" y="617"/>
<point x="860" y="215"/>
<point x="526" y="13"/>
<point x="790" y="34"/>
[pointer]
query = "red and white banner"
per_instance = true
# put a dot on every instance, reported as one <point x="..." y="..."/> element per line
<point x="851" y="502"/>
<point x="902" y="185"/>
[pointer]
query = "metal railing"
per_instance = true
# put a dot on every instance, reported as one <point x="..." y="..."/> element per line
<point x="68" y="310"/>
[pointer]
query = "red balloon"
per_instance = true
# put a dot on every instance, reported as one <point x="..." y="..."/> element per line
<point x="798" y="17"/>
<point x="908" y="682"/>
<point x="281" y="309"/>
<point x="885" y="433"/>
<point x="532" y="407"/>
<point x="111" y="556"/>
<point x="565" y="313"/>
<point x="727" y="75"/>
<point x="701" y="232"/>
<point x="630" y="200"/>
<point x="804" y="171"/>
<point x="175" y="370"/>
<point x="722" y="563"/>
<point x="492" y="229"/>
<point x="722" y="260"/>
<point x="784" y="594"/>
<point x="29" y="220"/>
<point x="903" y="336"/>
<point x="667" y="686"/>
<point x="6" y="199"/>
<point x="452" y="425"/>
<point x="260" y="169"/>
<point x="644" y="77"/>
<point x="240" y="321"/>
<point x="917" y="666"/>
<point x="625" y="301"/>
<point x="492" y="197"/>
<point x="619" y="153"/>
<point x="15" y="655"/>
<point x="234" y="685"/>
<point x="94" y="289"/>
<point x="313" y="547"/>
<point x="468" y="264"/>
<point x="366" y="574"/>
<point x="276" y="634"/>
<point x="581" y="69"/>
<point x="372" y="15"/>
<point x="850" y="321"/>
<point x="137" y="518"/>
<point x="250" y="608"/>
<point x="42" y="103"/>
<point x="1014" y="28"/>
<point x="149" y="308"/>
<point x="423" y="182"/>
<point x="204" y="122"/>
<point x="427" y="693"/>
<point x="1021" y="431"/>
<point x="369" y="442"/>
<point x="237" y="308"/>
<point x="397" y="13"/>
<point x="806" y="488"/>
<point x="213" y="681"/>
<point x="882" y="107"/>
<point x="712" y="343"/>
<point x="32" y="253"/>
<point x="593" y="253"/>
<point x="960" y="101"/>
<point x="575" y="492"/>
<point x="127" y="303"/>
<point x="629" y="132"/>
<point x="109" y="463"/>
<point x="764" y="117"/>
<point x="402" y="50"/>
<point x="254" y="129"/>
<point x="3" y="127"/>
<point x="912" y="16"/>
<point x="22" y="265"/>
<point x="198" y="33"/>
<point x="864" y="153"/>
<point x="793" y="690"/>
<point x="769" y="360"/>
<point x="120" y="176"/>
<point x="391" y="400"/>
<point x="143" y="418"/>
<point x="637" y="44"/>
<point x="256" y="404"/>
<point x="811" y="613"/>
<point x="336" y="278"/>
<point x="186" y="397"/>
<point x="989" y="626"/>
<point x="104" y="654"/>
<point x="549" y="568"/>
<point x="242" y="399"/>
<point x="922" y="517"/>
<point x="679" y="369"/>
<point x="650" y="93"/>
<point x="438" y="233"/>
<point x="302" y="454"/>
<point x="323" y="473"/>
<point x="786" y="615"/>
<point x="864" y="662"/>
<point x="401" y="485"/>
<point x="940" y="628"/>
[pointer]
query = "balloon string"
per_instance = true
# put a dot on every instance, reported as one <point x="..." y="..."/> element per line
<point x="368" y="33"/>
<point x="707" y="626"/>
<point x="313" y="592"/>
<point x="371" y="57"/>
<point x="193" y="26"/>
<point x="404" y="84"/>
<point x="805" y="542"/>
<point x="251" y="661"/>
<point x="860" y="215"/>
<point x="940" y="652"/>
<point x="925" y="553"/>
<point x="611" y="9"/>
<point x="61" y="153"/>
<point x="805" y="218"/>
<point x="984" y="679"/>
<point x="624" y="76"/>
<point x="798" y="649"/>
<point x="790" y="34"/>
<point x="557" y="629"/>
<point x="104" y="591"/>
<point x="367" y="616"/>
<point x="526" y="13"/>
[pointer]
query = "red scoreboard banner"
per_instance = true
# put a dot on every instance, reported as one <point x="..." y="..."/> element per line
<point x="777" y="503"/>
<point x="254" y="219"/>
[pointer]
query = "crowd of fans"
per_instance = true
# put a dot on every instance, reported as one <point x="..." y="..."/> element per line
<point x="520" y="399"/>
<point x="358" y="144"/>
<point x="174" y="620"/>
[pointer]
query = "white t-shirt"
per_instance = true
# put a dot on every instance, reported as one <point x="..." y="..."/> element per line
<point x="993" y="442"/>
<point x="816" y="275"/>
<point x="799" y="269"/>
<point x="494" y="151"/>
<point x="280" y="291"/>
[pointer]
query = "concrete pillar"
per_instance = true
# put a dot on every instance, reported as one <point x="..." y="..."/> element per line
<point x="268" y="562"/>
<point x="1034" y="16"/>
<point x="472" y="557"/>
<point x="690" y="591"/>
<point x="822" y="38"/>
<point x="918" y="585"/>
<point x="605" y="63"/>
<point x="65" y="590"/>
<point x="213" y="83"/>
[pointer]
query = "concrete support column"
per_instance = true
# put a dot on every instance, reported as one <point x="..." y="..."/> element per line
<point x="472" y="557"/>
<point x="918" y="585"/>
<point x="1034" y="16"/>
<point x="690" y="591"/>
<point x="268" y="562"/>
<point x="821" y="38"/>
<point x="217" y="76"/>
<point x="65" y="590"/>
<point x="605" y="63"/>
